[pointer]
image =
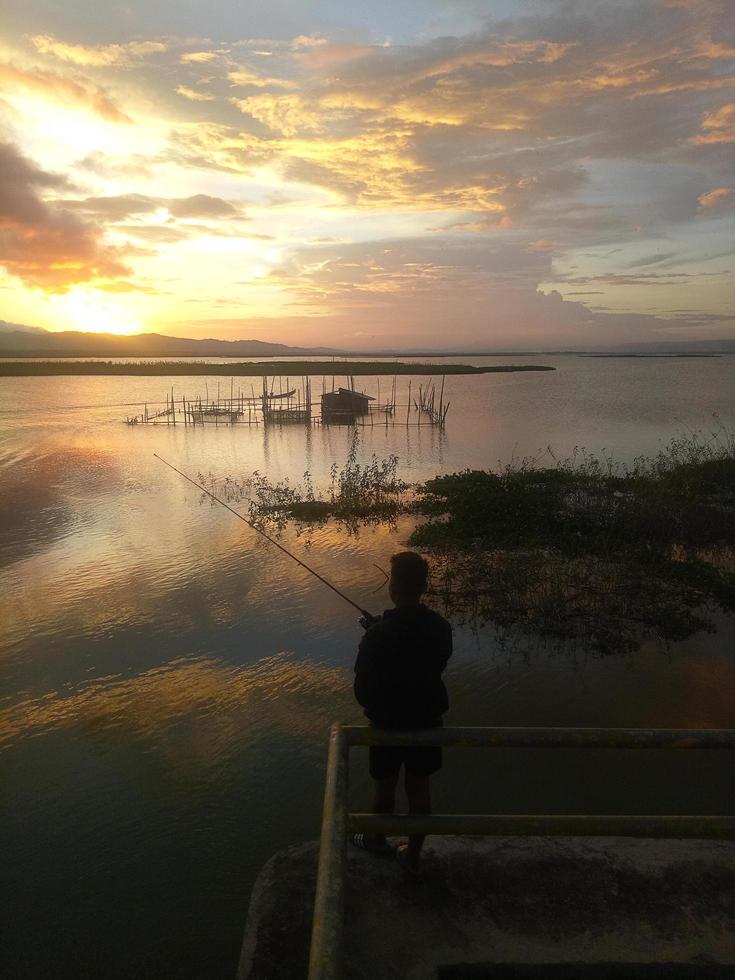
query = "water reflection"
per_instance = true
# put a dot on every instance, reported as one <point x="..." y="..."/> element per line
<point x="226" y="707"/>
<point x="42" y="493"/>
<point x="168" y="678"/>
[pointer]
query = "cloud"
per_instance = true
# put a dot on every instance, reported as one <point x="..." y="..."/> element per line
<point x="202" y="206"/>
<point x="114" y="208"/>
<point x="46" y="247"/>
<point x="639" y="279"/>
<point x="485" y="128"/>
<point x="50" y="85"/>
<point x="159" y="234"/>
<point x="655" y="259"/>
<point x="126" y="286"/>
<point x="308" y="41"/>
<point x="213" y="146"/>
<point x="199" y="57"/>
<point x="717" y="199"/>
<point x="542" y="245"/>
<point x="101" y="55"/>
<point x="193" y="94"/>
<point x="120" y="207"/>
<point x="285" y="114"/>
<point x="245" y="77"/>
<point x="719" y="125"/>
<point x="400" y="292"/>
<point x="549" y="135"/>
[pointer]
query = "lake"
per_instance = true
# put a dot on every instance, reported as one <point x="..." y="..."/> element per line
<point x="169" y="678"/>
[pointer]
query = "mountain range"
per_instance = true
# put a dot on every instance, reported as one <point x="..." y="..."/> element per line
<point x="19" y="340"/>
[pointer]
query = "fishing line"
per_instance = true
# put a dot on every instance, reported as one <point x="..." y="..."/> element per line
<point x="268" y="538"/>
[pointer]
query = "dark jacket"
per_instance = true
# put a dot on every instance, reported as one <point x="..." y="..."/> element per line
<point x="399" y="666"/>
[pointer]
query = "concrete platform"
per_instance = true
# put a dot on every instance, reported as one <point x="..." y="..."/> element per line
<point x="513" y="902"/>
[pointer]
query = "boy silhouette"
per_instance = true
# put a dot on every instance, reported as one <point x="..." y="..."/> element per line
<point x="398" y="682"/>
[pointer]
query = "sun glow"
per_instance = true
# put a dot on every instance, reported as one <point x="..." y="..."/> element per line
<point x="91" y="311"/>
<point x="56" y="135"/>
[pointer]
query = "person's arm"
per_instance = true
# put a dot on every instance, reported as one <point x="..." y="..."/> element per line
<point x="366" y="673"/>
<point x="445" y="650"/>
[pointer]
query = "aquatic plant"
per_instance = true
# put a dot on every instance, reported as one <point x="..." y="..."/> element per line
<point x="588" y="547"/>
<point x="583" y="550"/>
<point x="358" y="493"/>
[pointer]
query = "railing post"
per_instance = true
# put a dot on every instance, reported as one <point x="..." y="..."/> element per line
<point x="324" y="957"/>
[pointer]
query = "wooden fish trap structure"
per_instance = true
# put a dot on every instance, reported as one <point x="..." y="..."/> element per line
<point x="290" y="413"/>
<point x="295" y="405"/>
<point x="426" y="403"/>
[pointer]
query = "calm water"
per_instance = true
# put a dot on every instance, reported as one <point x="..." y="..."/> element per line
<point x="168" y="680"/>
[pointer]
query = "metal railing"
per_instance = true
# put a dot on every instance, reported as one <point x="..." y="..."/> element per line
<point x="337" y="822"/>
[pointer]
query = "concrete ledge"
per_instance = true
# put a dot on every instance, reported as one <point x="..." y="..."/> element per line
<point x="480" y="901"/>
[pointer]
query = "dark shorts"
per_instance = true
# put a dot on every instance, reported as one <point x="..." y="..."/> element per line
<point x="386" y="760"/>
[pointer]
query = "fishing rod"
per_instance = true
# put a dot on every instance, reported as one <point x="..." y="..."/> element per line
<point x="365" y="614"/>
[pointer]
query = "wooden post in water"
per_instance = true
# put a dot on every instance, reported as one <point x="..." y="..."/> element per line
<point x="408" y="411"/>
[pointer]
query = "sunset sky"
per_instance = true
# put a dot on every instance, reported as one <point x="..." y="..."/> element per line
<point x="401" y="173"/>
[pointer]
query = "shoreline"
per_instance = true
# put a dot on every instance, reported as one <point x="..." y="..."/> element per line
<point x="248" y="368"/>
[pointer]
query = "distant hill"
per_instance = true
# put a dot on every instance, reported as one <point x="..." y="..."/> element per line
<point x="6" y="327"/>
<point x="30" y="342"/>
<point x="19" y="340"/>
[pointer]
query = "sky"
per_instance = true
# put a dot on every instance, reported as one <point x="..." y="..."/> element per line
<point x="434" y="174"/>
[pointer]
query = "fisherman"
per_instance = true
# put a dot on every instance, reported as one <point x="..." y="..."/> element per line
<point x="398" y="682"/>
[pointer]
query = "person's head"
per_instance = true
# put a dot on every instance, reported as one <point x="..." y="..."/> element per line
<point x="408" y="577"/>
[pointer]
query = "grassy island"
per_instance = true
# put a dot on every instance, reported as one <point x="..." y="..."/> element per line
<point x="584" y="551"/>
<point x="290" y="368"/>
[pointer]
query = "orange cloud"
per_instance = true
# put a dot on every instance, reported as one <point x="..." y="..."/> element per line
<point x="193" y="94"/>
<point x="720" y="126"/>
<point x="208" y="145"/>
<point x="542" y="245"/>
<point x="326" y="56"/>
<point x="101" y="55"/>
<point x="717" y="198"/>
<point x="697" y="85"/>
<point x="285" y="114"/>
<point x="198" y="57"/>
<point x="47" y="248"/>
<point x="245" y="77"/>
<point x="50" y="85"/>
<point x="501" y="54"/>
<point x="308" y="41"/>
